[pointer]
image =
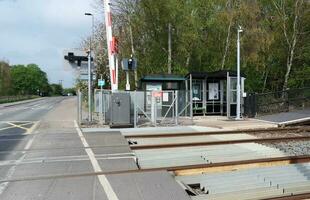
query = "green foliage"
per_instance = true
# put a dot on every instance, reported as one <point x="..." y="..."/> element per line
<point x="5" y="78"/>
<point x="29" y="80"/>
<point x="67" y="91"/>
<point x="56" y="90"/>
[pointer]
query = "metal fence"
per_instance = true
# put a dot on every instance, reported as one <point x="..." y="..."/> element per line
<point x="8" y="99"/>
<point x="276" y="102"/>
<point x="147" y="108"/>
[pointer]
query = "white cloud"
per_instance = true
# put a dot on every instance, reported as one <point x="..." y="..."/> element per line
<point x="36" y="31"/>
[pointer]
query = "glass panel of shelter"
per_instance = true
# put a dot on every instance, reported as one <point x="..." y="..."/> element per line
<point x="232" y="96"/>
<point x="214" y="97"/>
<point x="197" y="97"/>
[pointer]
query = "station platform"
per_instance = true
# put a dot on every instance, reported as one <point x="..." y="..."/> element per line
<point x="223" y="123"/>
<point x="297" y="116"/>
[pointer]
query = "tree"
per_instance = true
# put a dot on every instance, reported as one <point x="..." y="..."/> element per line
<point x="29" y="80"/>
<point x="289" y="14"/>
<point x="56" y="89"/>
<point x="5" y="78"/>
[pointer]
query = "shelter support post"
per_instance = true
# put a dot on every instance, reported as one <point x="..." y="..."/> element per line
<point x="191" y="95"/>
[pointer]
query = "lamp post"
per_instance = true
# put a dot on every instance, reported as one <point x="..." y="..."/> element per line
<point x="238" y="113"/>
<point x="89" y="70"/>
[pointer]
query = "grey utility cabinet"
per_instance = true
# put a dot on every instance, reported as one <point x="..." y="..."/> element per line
<point x="120" y="112"/>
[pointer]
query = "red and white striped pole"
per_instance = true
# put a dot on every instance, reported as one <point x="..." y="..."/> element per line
<point x="111" y="46"/>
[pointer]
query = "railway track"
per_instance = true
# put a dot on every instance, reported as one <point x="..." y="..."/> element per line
<point x="181" y="170"/>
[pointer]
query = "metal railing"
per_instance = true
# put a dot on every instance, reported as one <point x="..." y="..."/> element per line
<point x="276" y="102"/>
<point x="9" y="99"/>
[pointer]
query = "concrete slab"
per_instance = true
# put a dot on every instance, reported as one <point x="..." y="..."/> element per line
<point x="159" y="185"/>
<point x="55" y="153"/>
<point x="111" y="150"/>
<point x="54" y="168"/>
<point x="105" y="139"/>
<point x="56" y="143"/>
<point x="120" y="164"/>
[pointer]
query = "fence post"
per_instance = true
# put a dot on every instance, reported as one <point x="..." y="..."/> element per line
<point x="79" y="106"/>
<point x="135" y="109"/>
<point x="191" y="95"/>
<point x="176" y="96"/>
<point x="101" y="107"/>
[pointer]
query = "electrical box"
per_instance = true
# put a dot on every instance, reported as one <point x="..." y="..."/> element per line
<point x="120" y="110"/>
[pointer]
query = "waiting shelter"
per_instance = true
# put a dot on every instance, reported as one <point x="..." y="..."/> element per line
<point x="214" y="93"/>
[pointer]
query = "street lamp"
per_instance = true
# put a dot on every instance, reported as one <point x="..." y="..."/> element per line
<point x="89" y="70"/>
<point x="238" y="114"/>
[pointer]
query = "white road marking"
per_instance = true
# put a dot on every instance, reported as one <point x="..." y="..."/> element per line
<point x="11" y="171"/>
<point x="17" y="126"/>
<point x="1" y="129"/>
<point x="28" y="145"/>
<point x="36" y="124"/>
<point x="102" y="178"/>
<point x="28" y="130"/>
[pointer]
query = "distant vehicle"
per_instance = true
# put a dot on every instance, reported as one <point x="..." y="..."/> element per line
<point x="69" y="94"/>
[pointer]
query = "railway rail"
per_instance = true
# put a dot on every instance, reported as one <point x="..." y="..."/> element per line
<point x="256" y="140"/>
<point x="244" y="131"/>
<point x="291" y="197"/>
<point x="182" y="170"/>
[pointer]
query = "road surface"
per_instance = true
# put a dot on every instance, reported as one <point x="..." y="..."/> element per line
<point x="44" y="154"/>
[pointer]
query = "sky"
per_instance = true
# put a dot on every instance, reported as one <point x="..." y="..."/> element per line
<point x="38" y="31"/>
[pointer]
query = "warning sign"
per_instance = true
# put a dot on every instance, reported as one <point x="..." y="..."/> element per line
<point x="157" y="94"/>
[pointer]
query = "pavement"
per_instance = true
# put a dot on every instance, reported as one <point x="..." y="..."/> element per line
<point x="45" y="155"/>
